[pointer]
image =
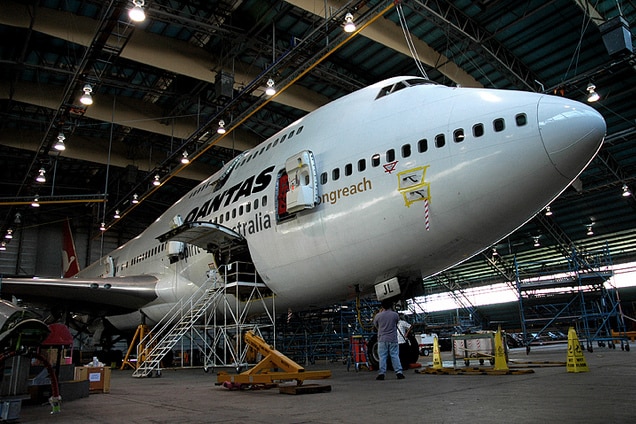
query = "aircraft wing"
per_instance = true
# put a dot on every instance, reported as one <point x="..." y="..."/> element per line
<point x="96" y="296"/>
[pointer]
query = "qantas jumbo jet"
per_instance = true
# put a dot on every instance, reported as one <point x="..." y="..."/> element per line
<point x="370" y="193"/>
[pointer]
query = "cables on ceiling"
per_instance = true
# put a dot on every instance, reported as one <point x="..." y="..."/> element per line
<point x="409" y="40"/>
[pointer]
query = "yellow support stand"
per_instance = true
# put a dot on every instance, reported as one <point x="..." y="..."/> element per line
<point x="437" y="357"/>
<point x="140" y="333"/>
<point x="576" y="361"/>
<point x="501" y="364"/>
<point x="265" y="371"/>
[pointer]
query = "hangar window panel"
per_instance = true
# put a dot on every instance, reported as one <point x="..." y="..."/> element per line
<point x="458" y="135"/>
<point x="422" y="145"/>
<point x="478" y="130"/>
<point x="375" y="160"/>
<point x="348" y="169"/>
<point x="521" y="119"/>
<point x="406" y="150"/>
<point x="499" y="124"/>
<point x="440" y="140"/>
<point x="362" y="165"/>
<point x="335" y="174"/>
<point x="390" y="155"/>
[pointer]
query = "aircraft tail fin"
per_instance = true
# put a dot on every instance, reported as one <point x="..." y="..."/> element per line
<point x="70" y="266"/>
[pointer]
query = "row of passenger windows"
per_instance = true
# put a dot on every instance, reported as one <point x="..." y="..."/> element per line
<point x="279" y="140"/>
<point x="478" y="130"/>
<point x="240" y="210"/>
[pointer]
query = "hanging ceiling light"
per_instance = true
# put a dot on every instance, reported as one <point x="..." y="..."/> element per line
<point x="41" y="178"/>
<point x="117" y="215"/>
<point x="137" y="13"/>
<point x="59" y="144"/>
<point x="221" y="129"/>
<point x="271" y="89"/>
<point x="592" y="95"/>
<point x="185" y="159"/>
<point x="590" y="232"/>
<point x="102" y="226"/>
<point x="36" y="202"/>
<point x="9" y="234"/>
<point x="156" y="181"/>
<point x="135" y="198"/>
<point x="536" y="241"/>
<point x="86" y="98"/>
<point x="349" y="25"/>
<point x="3" y="246"/>
<point x="626" y="192"/>
<point x="548" y="211"/>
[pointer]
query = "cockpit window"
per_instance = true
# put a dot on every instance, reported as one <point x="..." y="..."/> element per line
<point x="385" y="91"/>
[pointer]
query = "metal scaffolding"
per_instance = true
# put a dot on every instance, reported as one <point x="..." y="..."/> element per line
<point x="581" y="296"/>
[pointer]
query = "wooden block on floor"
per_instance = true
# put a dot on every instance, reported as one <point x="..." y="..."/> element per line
<point x="305" y="389"/>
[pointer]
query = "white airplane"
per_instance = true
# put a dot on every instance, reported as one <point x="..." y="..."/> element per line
<point x="372" y="192"/>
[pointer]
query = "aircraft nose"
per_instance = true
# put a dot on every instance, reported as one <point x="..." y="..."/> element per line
<point x="572" y="133"/>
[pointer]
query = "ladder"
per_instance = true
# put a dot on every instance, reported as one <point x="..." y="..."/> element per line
<point x="175" y="324"/>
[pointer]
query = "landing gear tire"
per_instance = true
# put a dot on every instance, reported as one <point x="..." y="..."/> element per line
<point x="407" y="356"/>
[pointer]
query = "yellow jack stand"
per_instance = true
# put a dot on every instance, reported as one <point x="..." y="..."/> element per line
<point x="500" y="354"/>
<point x="576" y="361"/>
<point x="140" y="333"/>
<point x="437" y="357"/>
<point x="264" y="372"/>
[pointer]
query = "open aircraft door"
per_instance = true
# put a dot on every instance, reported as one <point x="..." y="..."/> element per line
<point x="303" y="182"/>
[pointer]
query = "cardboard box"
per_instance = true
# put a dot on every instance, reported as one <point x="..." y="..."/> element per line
<point x="98" y="378"/>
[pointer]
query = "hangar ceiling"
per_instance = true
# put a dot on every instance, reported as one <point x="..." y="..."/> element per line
<point x="161" y="86"/>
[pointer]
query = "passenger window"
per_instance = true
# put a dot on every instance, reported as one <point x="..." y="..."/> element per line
<point x="323" y="178"/>
<point x="299" y="130"/>
<point x="422" y="145"/>
<point x="498" y="124"/>
<point x="390" y="155"/>
<point x="406" y="150"/>
<point x="440" y="140"/>
<point x="221" y="219"/>
<point x="348" y="169"/>
<point x="521" y="119"/>
<point x="283" y="138"/>
<point x="264" y="201"/>
<point x="248" y="206"/>
<point x="375" y="160"/>
<point x="234" y="213"/>
<point x="291" y="134"/>
<point x="227" y="215"/>
<point x="478" y="130"/>
<point x="268" y="146"/>
<point x="458" y="135"/>
<point x="335" y="174"/>
<point x="241" y="210"/>
<point x="362" y="165"/>
<point x="255" y="204"/>
<point x="275" y="143"/>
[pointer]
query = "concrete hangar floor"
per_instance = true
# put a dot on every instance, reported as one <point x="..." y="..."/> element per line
<point x="549" y="394"/>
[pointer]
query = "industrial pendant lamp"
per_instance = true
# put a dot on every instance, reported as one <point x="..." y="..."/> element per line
<point x="137" y="13"/>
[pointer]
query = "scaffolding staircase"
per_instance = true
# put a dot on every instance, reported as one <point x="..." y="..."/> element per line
<point x="177" y="322"/>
